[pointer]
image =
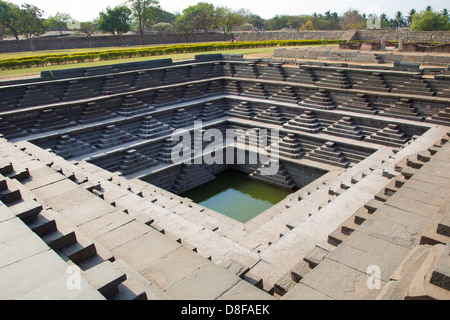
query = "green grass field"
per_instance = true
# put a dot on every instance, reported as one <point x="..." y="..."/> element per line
<point x="35" y="72"/>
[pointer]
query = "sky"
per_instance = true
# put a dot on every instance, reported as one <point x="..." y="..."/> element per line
<point x="87" y="10"/>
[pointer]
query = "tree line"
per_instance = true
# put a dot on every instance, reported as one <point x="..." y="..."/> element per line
<point x="143" y="16"/>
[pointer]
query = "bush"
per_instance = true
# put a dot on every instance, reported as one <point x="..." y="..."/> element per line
<point x="28" y="62"/>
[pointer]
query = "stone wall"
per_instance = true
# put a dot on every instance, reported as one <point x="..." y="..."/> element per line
<point x="407" y="35"/>
<point x="295" y="35"/>
<point x="57" y="43"/>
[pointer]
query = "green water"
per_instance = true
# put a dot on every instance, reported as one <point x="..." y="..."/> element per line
<point x="237" y="196"/>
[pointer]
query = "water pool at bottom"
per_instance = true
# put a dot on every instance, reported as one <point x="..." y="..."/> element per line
<point x="237" y="196"/>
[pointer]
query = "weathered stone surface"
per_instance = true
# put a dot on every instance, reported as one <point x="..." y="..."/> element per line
<point x="304" y="292"/>
<point x="140" y="251"/>
<point x="243" y="291"/>
<point x="338" y="281"/>
<point x="209" y="282"/>
<point x="174" y="267"/>
<point x="361" y="250"/>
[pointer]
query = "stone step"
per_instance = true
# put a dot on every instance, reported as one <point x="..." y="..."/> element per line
<point x="105" y="277"/>
<point x="59" y="239"/>
<point x="441" y="272"/>
<point x="26" y="210"/>
<point x="373" y="205"/>
<point x="315" y="256"/>
<point x="78" y="253"/>
<point x="336" y="237"/>
<point x="10" y="195"/>
<point x="361" y="215"/>
<point x="42" y="226"/>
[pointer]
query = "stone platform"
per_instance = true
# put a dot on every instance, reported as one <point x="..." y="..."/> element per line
<point x="89" y="198"/>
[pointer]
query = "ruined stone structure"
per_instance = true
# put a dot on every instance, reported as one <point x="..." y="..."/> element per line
<point x="87" y="183"/>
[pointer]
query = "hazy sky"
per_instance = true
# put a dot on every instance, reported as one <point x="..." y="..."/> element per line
<point x="87" y="10"/>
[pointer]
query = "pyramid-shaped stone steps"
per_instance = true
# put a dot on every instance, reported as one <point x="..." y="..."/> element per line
<point x="358" y="103"/>
<point x="271" y="115"/>
<point x="246" y="71"/>
<point x="330" y="154"/>
<point x="192" y="92"/>
<point x="306" y="122"/>
<point x="149" y="79"/>
<point x="254" y="137"/>
<point x="215" y="88"/>
<point x="33" y="96"/>
<point x="243" y="110"/>
<point x="114" y="86"/>
<point x="113" y="136"/>
<point x="69" y="147"/>
<point x="176" y="75"/>
<point x="93" y="112"/>
<point x="50" y="120"/>
<point x="287" y="93"/>
<point x="403" y="109"/>
<point x="9" y="130"/>
<point x="442" y="117"/>
<point x="273" y="72"/>
<point x="337" y="79"/>
<point x="131" y="107"/>
<point x="290" y="147"/>
<point x="191" y="176"/>
<point x="444" y="94"/>
<point x="233" y="87"/>
<point x="162" y="97"/>
<point x="210" y="112"/>
<point x="415" y="86"/>
<point x="372" y="82"/>
<point x="257" y="90"/>
<point x="320" y="100"/>
<point x="389" y="136"/>
<point x="345" y="128"/>
<point x="151" y="128"/>
<point x="281" y="179"/>
<point x="182" y="118"/>
<point x="133" y="161"/>
<point x="165" y="154"/>
<point x="77" y="91"/>
<point x="302" y="76"/>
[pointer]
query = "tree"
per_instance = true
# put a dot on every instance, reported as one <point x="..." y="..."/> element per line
<point x="409" y="18"/>
<point x="253" y="19"/>
<point x="430" y="21"/>
<point x="399" y="21"/>
<point x="352" y="20"/>
<point x="116" y="21"/>
<point x="227" y="19"/>
<point x="4" y="32"/>
<point x="202" y="16"/>
<point x="89" y="29"/>
<point x="58" y="22"/>
<point x="9" y="17"/>
<point x="444" y="12"/>
<point x="160" y="15"/>
<point x="163" y="27"/>
<point x="30" y="23"/>
<point x="143" y="14"/>
<point x="384" y="21"/>
<point x="307" y="26"/>
<point x="184" y="26"/>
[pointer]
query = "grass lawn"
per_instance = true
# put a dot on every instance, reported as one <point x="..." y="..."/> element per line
<point x="35" y="72"/>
